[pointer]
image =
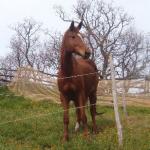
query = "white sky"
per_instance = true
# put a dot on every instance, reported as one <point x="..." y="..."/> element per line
<point x="13" y="11"/>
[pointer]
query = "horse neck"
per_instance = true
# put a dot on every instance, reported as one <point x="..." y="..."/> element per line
<point x="66" y="63"/>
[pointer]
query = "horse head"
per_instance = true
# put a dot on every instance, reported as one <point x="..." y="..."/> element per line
<point x="73" y="41"/>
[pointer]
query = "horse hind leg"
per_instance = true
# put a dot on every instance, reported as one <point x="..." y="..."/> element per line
<point x="82" y="102"/>
<point x="92" y="99"/>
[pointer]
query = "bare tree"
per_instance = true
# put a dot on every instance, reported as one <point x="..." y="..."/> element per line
<point x="46" y="60"/>
<point x="29" y="49"/>
<point x="26" y="41"/>
<point x="41" y="61"/>
<point x="133" y="57"/>
<point x="104" y="25"/>
<point x="16" y="46"/>
<point x="147" y="50"/>
<point x="53" y="50"/>
<point x="7" y="66"/>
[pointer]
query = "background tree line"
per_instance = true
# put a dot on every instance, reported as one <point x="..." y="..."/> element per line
<point x="107" y="29"/>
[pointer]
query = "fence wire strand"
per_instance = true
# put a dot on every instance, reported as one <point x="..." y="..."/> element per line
<point x="42" y="115"/>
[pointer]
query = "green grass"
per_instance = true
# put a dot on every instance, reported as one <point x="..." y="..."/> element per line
<point x="37" y="131"/>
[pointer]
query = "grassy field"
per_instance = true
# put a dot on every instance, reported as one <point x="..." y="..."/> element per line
<point x="39" y="125"/>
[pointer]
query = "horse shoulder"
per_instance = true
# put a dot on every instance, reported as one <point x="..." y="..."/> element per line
<point x="86" y="66"/>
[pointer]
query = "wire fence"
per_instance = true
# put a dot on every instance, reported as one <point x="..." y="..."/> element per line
<point x="36" y="85"/>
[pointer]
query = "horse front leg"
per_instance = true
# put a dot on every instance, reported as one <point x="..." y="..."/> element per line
<point x="82" y="102"/>
<point x="65" y="103"/>
<point x="78" y="122"/>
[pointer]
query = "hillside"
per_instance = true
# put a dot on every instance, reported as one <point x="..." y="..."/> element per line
<point x="26" y="124"/>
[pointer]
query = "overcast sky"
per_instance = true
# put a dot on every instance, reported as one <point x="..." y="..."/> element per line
<point x="13" y="11"/>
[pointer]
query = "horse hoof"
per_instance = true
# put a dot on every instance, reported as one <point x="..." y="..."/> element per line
<point x="86" y="136"/>
<point x="95" y="130"/>
<point x="65" y="139"/>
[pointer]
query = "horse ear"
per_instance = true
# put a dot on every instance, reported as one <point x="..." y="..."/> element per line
<point x="71" y="26"/>
<point x="80" y="25"/>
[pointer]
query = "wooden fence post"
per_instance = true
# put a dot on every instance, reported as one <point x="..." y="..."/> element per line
<point x="124" y="104"/>
<point x="115" y="102"/>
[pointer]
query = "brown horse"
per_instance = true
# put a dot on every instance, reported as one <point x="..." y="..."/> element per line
<point x="73" y="81"/>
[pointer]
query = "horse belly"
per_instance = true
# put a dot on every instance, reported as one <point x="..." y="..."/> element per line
<point x="90" y="84"/>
